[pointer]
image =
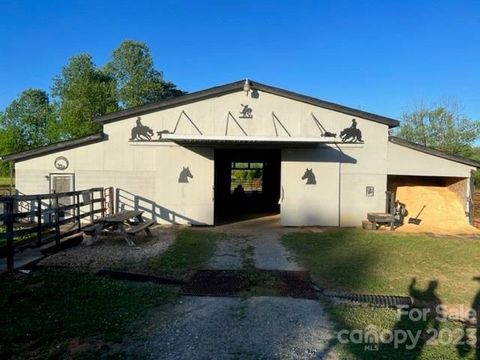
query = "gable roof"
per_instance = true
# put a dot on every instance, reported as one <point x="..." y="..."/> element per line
<point x="234" y="87"/>
<point x="434" y="152"/>
<point x="62" y="145"/>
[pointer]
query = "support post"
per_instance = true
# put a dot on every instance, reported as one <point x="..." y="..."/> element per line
<point x="102" y="194"/>
<point x="9" y="220"/>
<point x="39" y="221"/>
<point x="57" y="219"/>
<point x="92" y="207"/>
<point x="78" y="212"/>
<point x="11" y="178"/>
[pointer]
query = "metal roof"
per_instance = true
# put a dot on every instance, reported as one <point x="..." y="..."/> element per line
<point x="62" y="145"/>
<point x="236" y="86"/>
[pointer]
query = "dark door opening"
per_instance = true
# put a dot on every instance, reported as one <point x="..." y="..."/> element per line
<point x="247" y="183"/>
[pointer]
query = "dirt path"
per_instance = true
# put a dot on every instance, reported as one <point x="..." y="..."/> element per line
<point x="245" y="328"/>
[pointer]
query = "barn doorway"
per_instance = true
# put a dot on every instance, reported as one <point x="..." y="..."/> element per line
<point x="247" y="184"/>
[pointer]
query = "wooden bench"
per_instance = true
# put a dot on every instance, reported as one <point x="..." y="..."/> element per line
<point x="141" y="226"/>
<point x="381" y="218"/>
<point x="93" y="231"/>
<point x="130" y="232"/>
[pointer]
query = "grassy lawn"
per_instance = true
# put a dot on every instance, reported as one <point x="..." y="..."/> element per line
<point x="360" y="319"/>
<point x="191" y="251"/>
<point x="45" y="312"/>
<point x="384" y="263"/>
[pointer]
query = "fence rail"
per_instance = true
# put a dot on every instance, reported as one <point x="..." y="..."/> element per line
<point x="35" y="220"/>
<point x="476" y="207"/>
<point x="247" y="184"/>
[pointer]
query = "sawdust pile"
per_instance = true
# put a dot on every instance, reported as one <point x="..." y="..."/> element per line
<point x="443" y="213"/>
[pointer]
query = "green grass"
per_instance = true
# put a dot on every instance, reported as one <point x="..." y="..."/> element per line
<point x="354" y="318"/>
<point x="385" y="263"/>
<point x="5" y="181"/>
<point x="191" y="251"/>
<point x="3" y="242"/>
<point x="43" y="311"/>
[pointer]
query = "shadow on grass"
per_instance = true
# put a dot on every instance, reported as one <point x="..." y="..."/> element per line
<point x="332" y="261"/>
<point x="43" y="312"/>
<point x="368" y="332"/>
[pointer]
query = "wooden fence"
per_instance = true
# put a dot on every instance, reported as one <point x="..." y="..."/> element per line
<point x="34" y="220"/>
<point x="476" y="207"/>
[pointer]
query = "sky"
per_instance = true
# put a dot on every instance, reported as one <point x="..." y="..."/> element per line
<point x="378" y="56"/>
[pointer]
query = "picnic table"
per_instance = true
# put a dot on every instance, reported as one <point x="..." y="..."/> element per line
<point x="127" y="222"/>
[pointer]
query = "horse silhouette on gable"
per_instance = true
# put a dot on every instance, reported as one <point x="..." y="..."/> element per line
<point x="352" y="133"/>
<point x="141" y="132"/>
<point x="184" y="175"/>
<point x="310" y="176"/>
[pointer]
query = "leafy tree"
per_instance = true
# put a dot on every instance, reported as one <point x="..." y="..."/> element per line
<point x="29" y="121"/>
<point x="442" y="127"/>
<point x="137" y="80"/>
<point x="83" y="92"/>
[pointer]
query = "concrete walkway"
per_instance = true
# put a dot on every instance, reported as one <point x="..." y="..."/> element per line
<point x="252" y="328"/>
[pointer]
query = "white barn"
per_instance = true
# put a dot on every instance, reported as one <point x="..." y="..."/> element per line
<point x="320" y="163"/>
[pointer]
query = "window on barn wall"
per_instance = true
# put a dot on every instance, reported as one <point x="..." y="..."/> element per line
<point x="246" y="177"/>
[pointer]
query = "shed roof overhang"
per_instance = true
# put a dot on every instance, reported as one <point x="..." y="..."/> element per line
<point x="209" y="140"/>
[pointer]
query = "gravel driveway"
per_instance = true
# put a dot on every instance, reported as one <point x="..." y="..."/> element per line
<point x="237" y="328"/>
<point x="234" y="328"/>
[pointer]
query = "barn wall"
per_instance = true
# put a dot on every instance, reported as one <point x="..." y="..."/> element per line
<point x="405" y="161"/>
<point x="145" y="177"/>
<point x="310" y="204"/>
<point x="146" y="172"/>
<point x="210" y="116"/>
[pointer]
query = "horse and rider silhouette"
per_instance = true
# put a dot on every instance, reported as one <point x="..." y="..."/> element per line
<point x="246" y="112"/>
<point x="185" y="174"/>
<point x="310" y="176"/>
<point x="351" y="134"/>
<point x="141" y="132"/>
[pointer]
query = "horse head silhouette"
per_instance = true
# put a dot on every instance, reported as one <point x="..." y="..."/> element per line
<point x="184" y="175"/>
<point x="310" y="176"/>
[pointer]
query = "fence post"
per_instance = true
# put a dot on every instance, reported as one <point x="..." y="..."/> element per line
<point x="78" y="213"/>
<point x="57" y="219"/>
<point x="9" y="220"/>
<point x="92" y="205"/>
<point x="102" y="193"/>
<point x="39" y="221"/>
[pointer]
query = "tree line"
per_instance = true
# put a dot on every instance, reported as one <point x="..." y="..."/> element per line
<point x="78" y="94"/>
<point x="443" y="127"/>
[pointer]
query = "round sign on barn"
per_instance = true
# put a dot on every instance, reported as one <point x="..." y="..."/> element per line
<point x="61" y="163"/>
